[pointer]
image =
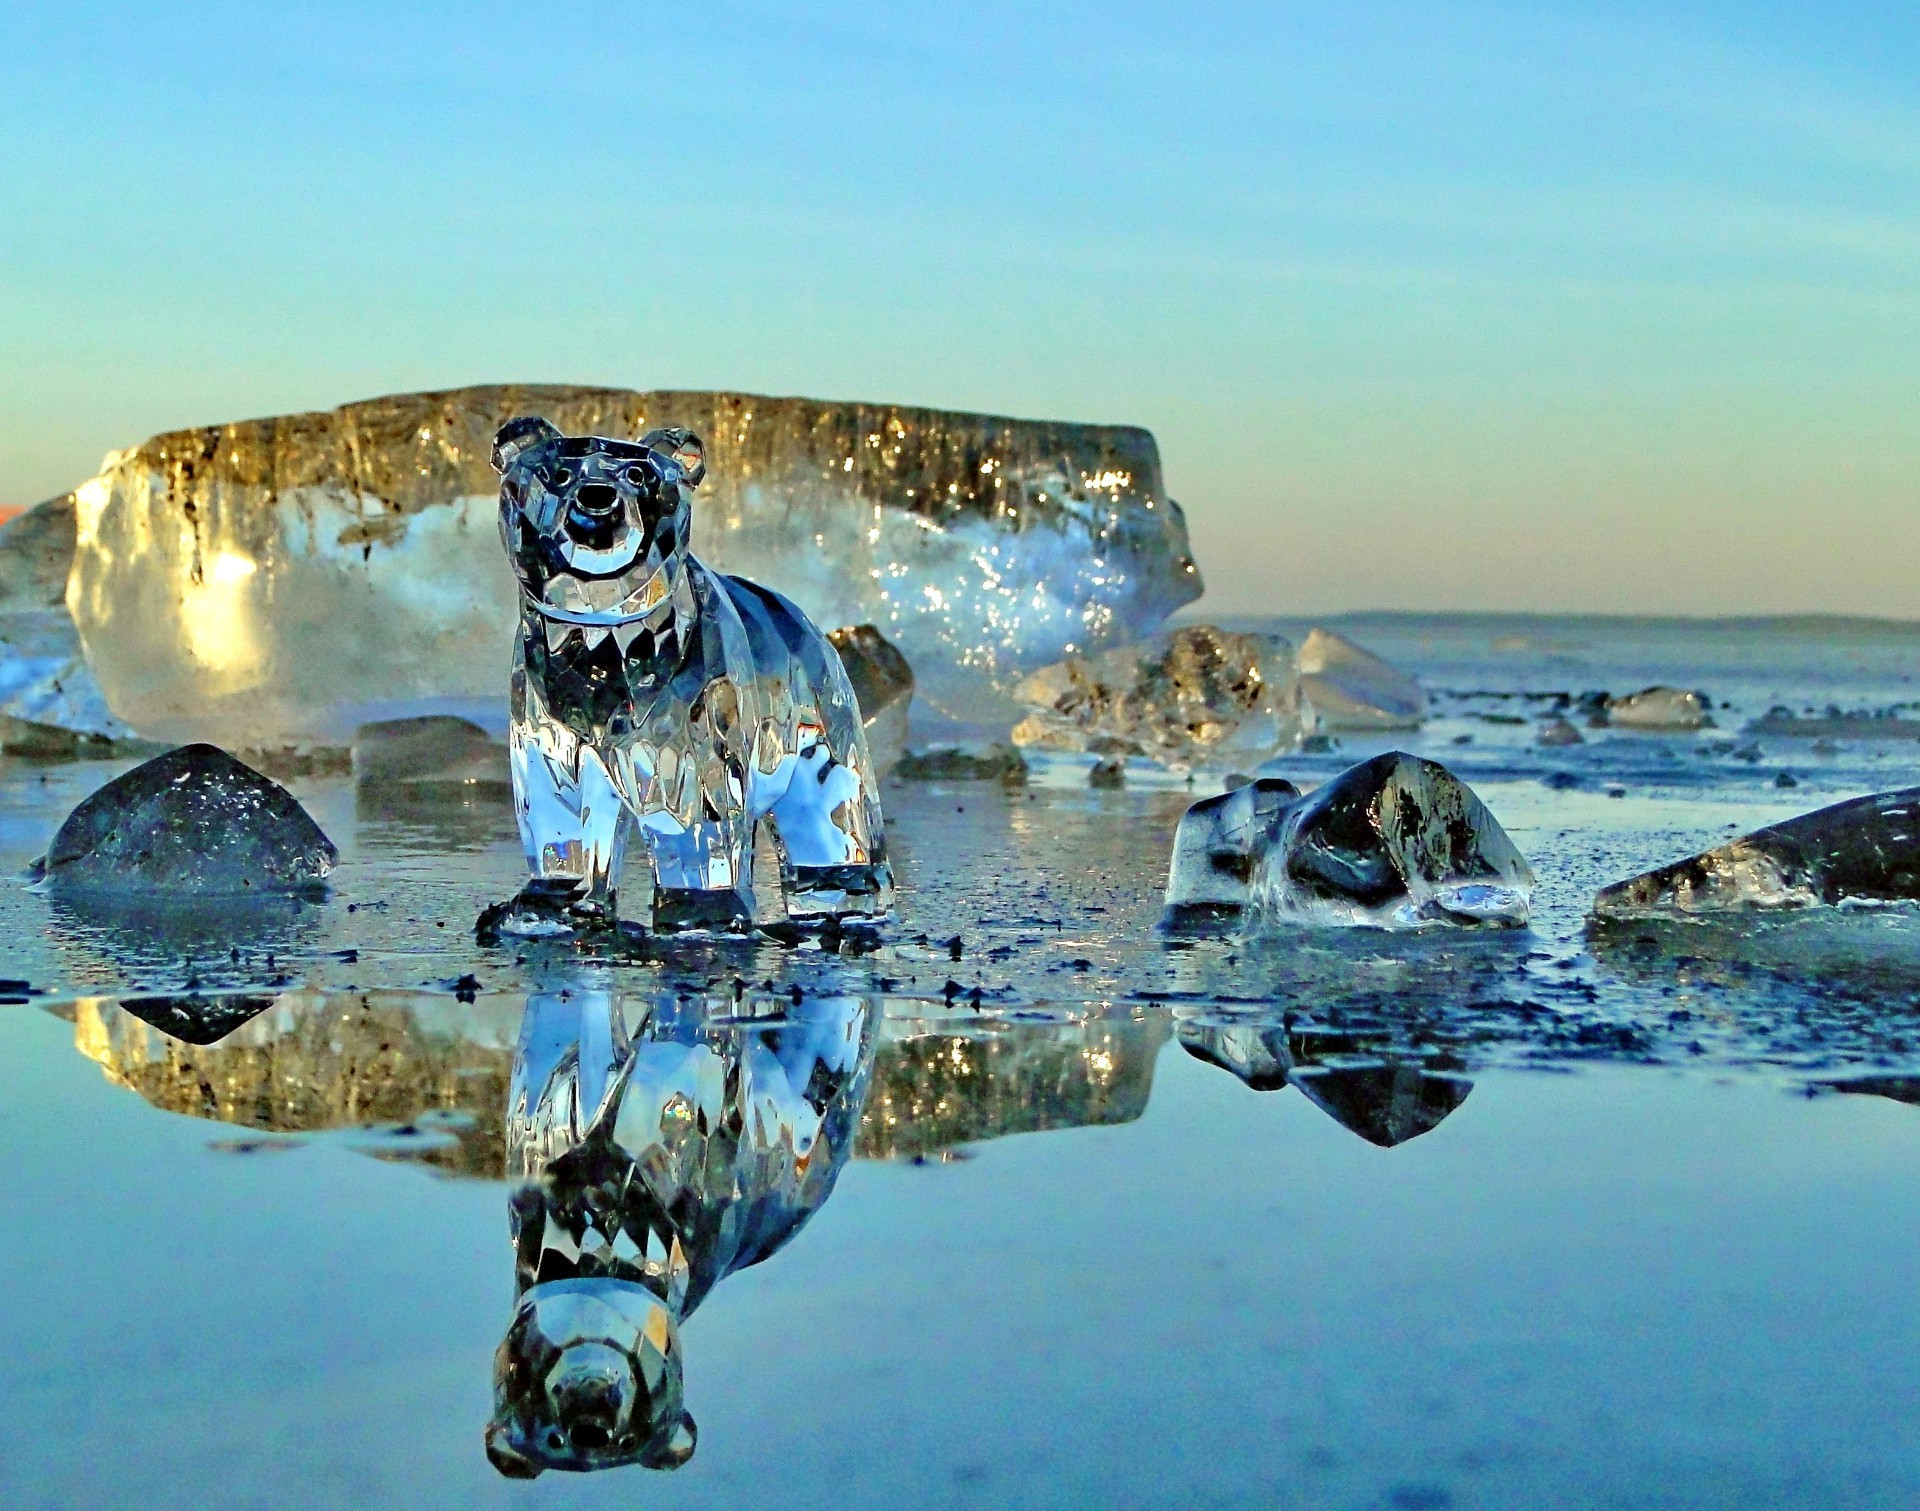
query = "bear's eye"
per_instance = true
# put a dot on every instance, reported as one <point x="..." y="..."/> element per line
<point x="562" y="478"/>
<point x="632" y="474"/>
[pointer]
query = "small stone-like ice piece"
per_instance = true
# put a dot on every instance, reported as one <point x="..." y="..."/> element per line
<point x="1659" y="708"/>
<point x="1194" y="696"/>
<point x="1394" y="842"/>
<point x="1557" y="732"/>
<point x="1350" y="688"/>
<point x="433" y="750"/>
<point x="882" y="686"/>
<point x="1866" y="849"/>
<point x="192" y="822"/>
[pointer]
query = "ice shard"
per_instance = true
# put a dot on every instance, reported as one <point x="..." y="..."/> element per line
<point x="1659" y="708"/>
<point x="289" y="578"/>
<point x="1351" y="688"/>
<point x="192" y="822"/>
<point x="1394" y="842"/>
<point x="654" y="1155"/>
<point x="1194" y="696"/>
<point x="1863" y="850"/>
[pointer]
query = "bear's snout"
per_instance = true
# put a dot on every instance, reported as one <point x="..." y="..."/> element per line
<point x="597" y="498"/>
<point x="594" y="515"/>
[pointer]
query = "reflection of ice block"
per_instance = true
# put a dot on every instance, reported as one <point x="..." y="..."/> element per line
<point x="1350" y="688"/>
<point x="1867" y="849"/>
<point x="1196" y="695"/>
<point x="1659" y="708"/>
<point x="1395" y="842"/>
<point x="290" y="578"/>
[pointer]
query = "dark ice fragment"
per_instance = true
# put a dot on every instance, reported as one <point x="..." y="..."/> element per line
<point x="1866" y="849"/>
<point x="192" y="822"/>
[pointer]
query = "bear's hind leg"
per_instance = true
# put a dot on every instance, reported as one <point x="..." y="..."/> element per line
<point x="833" y="864"/>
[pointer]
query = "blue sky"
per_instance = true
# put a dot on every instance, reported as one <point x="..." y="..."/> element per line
<point x="1430" y="306"/>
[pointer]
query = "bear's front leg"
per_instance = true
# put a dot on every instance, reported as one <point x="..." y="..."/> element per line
<point x="573" y="828"/>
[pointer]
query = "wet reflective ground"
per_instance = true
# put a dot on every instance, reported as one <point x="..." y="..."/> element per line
<point x="1545" y="1218"/>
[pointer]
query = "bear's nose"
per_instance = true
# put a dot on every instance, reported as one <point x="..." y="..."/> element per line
<point x="596" y="498"/>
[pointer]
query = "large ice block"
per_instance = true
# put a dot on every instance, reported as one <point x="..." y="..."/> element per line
<point x="1866" y="850"/>
<point x="290" y="578"/>
<point x="1195" y="696"/>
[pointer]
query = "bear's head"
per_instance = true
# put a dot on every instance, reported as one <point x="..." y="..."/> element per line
<point x="596" y="529"/>
<point x="588" y="1377"/>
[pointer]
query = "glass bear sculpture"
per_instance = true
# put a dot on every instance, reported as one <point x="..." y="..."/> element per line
<point x="650" y="1165"/>
<point x="651" y="693"/>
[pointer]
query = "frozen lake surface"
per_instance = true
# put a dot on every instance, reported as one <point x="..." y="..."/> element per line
<point x="1552" y="1217"/>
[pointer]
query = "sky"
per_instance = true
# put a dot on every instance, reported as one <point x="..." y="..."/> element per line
<point x="1430" y="306"/>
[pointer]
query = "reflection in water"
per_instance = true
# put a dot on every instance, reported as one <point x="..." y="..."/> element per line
<point x="940" y="1085"/>
<point x="308" y="1061"/>
<point x="1385" y="1098"/>
<point x="654" y="1161"/>
<point x="165" y="940"/>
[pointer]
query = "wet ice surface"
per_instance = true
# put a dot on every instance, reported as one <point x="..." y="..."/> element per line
<point x="1638" y="1265"/>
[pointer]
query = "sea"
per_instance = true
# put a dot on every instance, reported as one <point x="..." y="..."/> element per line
<point x="1576" y="1215"/>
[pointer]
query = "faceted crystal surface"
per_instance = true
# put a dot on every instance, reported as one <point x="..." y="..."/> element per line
<point x="1195" y="695"/>
<point x="294" y="577"/>
<point x="1863" y="850"/>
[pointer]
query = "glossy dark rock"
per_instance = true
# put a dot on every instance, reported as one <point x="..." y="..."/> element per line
<point x="1864" y="850"/>
<point x="192" y="822"/>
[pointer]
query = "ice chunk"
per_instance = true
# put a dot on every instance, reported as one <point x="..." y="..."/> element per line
<point x="434" y="750"/>
<point x="1558" y="732"/>
<point x="962" y="763"/>
<point x="657" y="1153"/>
<point x="1838" y="724"/>
<point x="1350" y="688"/>
<point x="1394" y="842"/>
<point x="1659" y="708"/>
<point x="882" y="686"/>
<point x="1197" y="695"/>
<point x="1218" y="845"/>
<point x="1866" y="849"/>
<point x="191" y="822"/>
<point x="294" y="577"/>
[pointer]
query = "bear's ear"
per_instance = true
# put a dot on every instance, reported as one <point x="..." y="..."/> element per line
<point x="509" y="1460"/>
<point x="518" y="435"/>
<point x="672" y="1448"/>
<point x="684" y="447"/>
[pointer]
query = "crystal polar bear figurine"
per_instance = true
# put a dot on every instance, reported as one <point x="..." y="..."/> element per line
<point x="651" y="693"/>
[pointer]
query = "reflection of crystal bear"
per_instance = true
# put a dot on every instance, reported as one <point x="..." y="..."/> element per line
<point x="653" y="1166"/>
<point x="650" y="692"/>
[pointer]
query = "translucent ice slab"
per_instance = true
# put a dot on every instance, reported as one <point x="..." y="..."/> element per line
<point x="290" y="578"/>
